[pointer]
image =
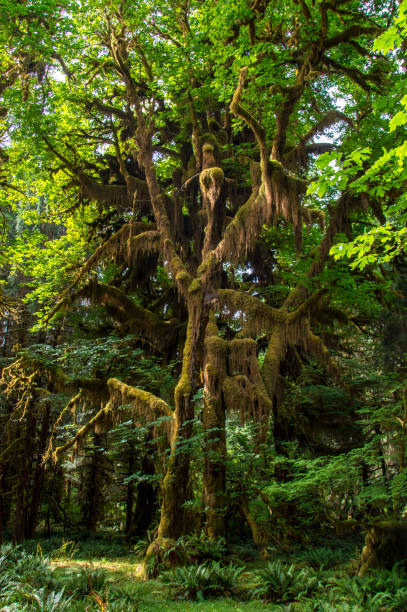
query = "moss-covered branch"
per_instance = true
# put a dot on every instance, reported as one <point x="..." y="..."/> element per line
<point x="132" y="239"/>
<point x="123" y="309"/>
<point x="254" y="314"/>
<point x="124" y="402"/>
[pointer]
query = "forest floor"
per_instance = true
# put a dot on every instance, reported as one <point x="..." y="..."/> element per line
<point x="149" y="595"/>
<point x="105" y="575"/>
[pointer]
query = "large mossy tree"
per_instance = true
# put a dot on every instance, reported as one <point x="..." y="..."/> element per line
<point x="214" y="153"/>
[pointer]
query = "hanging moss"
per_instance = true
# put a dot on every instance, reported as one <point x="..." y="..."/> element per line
<point x="142" y="241"/>
<point x="317" y="348"/>
<point x="125" y="402"/>
<point x="274" y="355"/>
<point x="132" y="195"/>
<point x="216" y="349"/>
<point x="177" y="267"/>
<point x="241" y="233"/>
<point x="255" y="315"/>
<point x="211" y="178"/>
<point x="313" y="215"/>
<point x="123" y="309"/>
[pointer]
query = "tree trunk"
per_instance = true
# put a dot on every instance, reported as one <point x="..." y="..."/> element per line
<point x="146" y="503"/>
<point x="214" y="479"/>
<point x="23" y="480"/>
<point x="258" y="534"/>
<point x="130" y="491"/>
<point x="175" y="485"/>
<point x="39" y="474"/>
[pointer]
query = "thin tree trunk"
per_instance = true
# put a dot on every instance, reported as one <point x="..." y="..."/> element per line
<point x="130" y="490"/>
<point x="146" y="503"/>
<point x="39" y="474"/>
<point x="23" y="480"/>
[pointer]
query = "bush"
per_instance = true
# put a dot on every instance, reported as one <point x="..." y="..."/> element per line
<point x="141" y="546"/>
<point x="67" y="550"/>
<point x="27" y="582"/>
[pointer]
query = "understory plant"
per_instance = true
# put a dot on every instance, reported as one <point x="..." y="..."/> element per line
<point x="378" y="590"/>
<point x="280" y="582"/>
<point x="199" y="582"/>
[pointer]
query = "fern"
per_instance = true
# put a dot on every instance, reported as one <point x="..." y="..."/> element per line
<point x="198" y="582"/>
<point x="281" y="583"/>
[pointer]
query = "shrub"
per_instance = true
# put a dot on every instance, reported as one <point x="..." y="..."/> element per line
<point x="84" y="581"/>
<point x="41" y="600"/>
<point x="67" y="550"/>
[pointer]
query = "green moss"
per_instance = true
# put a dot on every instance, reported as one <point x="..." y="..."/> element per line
<point x="210" y="139"/>
<point x="216" y="345"/>
<point x="211" y="177"/>
<point x="276" y="166"/>
<point x="195" y="286"/>
<point x="182" y="276"/>
<point x="206" y="264"/>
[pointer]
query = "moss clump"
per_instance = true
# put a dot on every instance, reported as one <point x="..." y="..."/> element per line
<point x="211" y="178"/>
<point x="210" y="139"/>
<point x="208" y="147"/>
<point x="195" y="286"/>
<point x="275" y="166"/>
<point x="182" y="276"/>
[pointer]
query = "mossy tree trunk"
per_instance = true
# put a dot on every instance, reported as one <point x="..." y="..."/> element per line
<point x="175" y="483"/>
<point x="214" y="477"/>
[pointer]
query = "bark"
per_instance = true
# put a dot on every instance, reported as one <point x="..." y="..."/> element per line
<point x="146" y="503"/>
<point x="214" y="478"/>
<point x="39" y="474"/>
<point x="176" y="479"/>
<point x="2" y="513"/>
<point x="130" y="490"/>
<point x="23" y="481"/>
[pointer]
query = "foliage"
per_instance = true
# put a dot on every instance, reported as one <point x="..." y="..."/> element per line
<point x="200" y="548"/>
<point x="198" y="582"/>
<point x="280" y="582"/>
<point x="322" y="557"/>
<point x="381" y="589"/>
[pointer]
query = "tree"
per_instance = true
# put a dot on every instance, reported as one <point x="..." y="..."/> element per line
<point x="190" y="139"/>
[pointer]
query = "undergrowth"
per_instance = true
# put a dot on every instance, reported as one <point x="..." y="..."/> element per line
<point x="316" y="580"/>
